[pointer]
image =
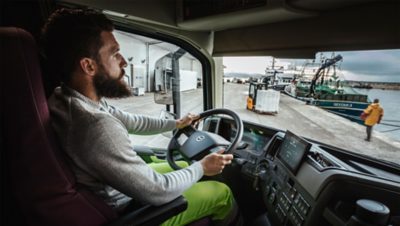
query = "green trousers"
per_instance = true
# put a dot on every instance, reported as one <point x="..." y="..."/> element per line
<point x="205" y="198"/>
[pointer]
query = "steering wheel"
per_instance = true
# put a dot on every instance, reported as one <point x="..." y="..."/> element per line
<point x="200" y="143"/>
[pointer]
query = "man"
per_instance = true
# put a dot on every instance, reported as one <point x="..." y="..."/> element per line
<point x="79" y="47"/>
<point x="374" y="114"/>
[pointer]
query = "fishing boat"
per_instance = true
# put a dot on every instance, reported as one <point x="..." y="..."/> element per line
<point x="324" y="89"/>
<point x="276" y="76"/>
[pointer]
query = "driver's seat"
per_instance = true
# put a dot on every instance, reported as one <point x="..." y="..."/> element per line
<point x="43" y="188"/>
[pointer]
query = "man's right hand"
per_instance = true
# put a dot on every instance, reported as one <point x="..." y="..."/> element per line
<point x="214" y="163"/>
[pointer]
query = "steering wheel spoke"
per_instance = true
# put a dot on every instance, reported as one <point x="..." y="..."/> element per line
<point x="189" y="130"/>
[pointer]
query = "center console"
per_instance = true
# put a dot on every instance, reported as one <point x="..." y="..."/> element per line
<point x="290" y="202"/>
<point x="281" y="192"/>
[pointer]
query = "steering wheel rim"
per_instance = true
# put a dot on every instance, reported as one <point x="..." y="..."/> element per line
<point x="190" y="131"/>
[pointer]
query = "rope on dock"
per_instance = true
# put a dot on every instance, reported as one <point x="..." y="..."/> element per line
<point x="386" y="124"/>
<point x="390" y="120"/>
<point x="391" y="130"/>
<point x="382" y="123"/>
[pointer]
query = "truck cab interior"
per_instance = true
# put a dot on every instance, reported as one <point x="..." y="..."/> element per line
<point x="278" y="177"/>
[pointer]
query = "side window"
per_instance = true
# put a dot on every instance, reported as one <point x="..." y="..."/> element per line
<point x="163" y="77"/>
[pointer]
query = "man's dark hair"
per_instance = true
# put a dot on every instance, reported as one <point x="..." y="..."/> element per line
<point x="71" y="34"/>
<point x="376" y="100"/>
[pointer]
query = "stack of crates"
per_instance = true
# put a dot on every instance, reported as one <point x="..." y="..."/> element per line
<point x="267" y="101"/>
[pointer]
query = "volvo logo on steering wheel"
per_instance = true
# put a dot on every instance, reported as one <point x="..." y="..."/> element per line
<point x="200" y="138"/>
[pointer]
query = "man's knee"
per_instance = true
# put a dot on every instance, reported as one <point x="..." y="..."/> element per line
<point x="212" y="191"/>
<point x="205" y="199"/>
<point x="212" y="197"/>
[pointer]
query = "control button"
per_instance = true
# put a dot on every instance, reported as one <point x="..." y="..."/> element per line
<point x="296" y="217"/>
<point x="293" y="193"/>
<point x="267" y="190"/>
<point x="303" y="206"/>
<point x="297" y="199"/>
<point x="285" y="202"/>
<point x="305" y="209"/>
<point x="271" y="198"/>
<point x="280" y="213"/>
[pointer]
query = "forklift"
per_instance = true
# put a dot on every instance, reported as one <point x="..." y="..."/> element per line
<point x="252" y="98"/>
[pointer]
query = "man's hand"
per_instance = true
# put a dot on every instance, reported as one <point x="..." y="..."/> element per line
<point x="186" y="121"/>
<point x="214" y="163"/>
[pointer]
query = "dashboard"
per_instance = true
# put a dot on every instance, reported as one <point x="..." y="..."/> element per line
<point x="303" y="182"/>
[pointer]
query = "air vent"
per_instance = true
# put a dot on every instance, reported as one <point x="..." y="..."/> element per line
<point x="321" y="162"/>
<point x="273" y="147"/>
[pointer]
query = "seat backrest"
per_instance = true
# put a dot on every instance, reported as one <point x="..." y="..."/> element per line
<point x="42" y="184"/>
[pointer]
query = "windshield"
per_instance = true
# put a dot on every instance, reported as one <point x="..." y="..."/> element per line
<point x="322" y="98"/>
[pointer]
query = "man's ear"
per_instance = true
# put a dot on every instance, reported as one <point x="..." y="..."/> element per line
<point x="88" y="66"/>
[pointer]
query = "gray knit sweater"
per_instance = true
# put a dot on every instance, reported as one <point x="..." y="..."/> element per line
<point x="95" y="138"/>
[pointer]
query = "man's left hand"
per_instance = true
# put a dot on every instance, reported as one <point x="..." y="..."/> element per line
<point x="186" y="120"/>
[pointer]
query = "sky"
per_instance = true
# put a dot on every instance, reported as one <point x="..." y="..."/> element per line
<point x="374" y="65"/>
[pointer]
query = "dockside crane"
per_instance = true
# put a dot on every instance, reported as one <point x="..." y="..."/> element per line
<point x="326" y="64"/>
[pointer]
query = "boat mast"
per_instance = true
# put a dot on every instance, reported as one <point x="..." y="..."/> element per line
<point x="274" y="71"/>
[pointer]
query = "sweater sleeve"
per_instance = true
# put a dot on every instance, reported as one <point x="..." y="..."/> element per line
<point x="111" y="158"/>
<point x="142" y="125"/>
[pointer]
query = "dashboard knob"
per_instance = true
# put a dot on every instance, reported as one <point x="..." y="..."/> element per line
<point x="267" y="190"/>
<point x="272" y="198"/>
<point x="370" y="212"/>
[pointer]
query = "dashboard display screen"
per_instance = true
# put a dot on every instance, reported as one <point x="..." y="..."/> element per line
<point x="292" y="151"/>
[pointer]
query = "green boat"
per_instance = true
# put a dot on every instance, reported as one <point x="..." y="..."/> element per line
<point x="326" y="91"/>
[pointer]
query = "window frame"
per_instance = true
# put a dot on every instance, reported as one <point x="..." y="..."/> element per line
<point x="204" y="61"/>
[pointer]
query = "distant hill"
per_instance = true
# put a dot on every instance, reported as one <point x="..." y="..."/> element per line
<point x="243" y="75"/>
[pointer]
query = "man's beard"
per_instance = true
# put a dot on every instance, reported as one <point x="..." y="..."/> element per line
<point x="108" y="87"/>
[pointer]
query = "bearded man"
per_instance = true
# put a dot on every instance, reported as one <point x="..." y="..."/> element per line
<point x="82" y="51"/>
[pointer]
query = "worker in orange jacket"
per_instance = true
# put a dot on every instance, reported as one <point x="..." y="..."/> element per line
<point x="374" y="114"/>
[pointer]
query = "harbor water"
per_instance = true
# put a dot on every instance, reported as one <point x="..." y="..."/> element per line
<point x="390" y="102"/>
